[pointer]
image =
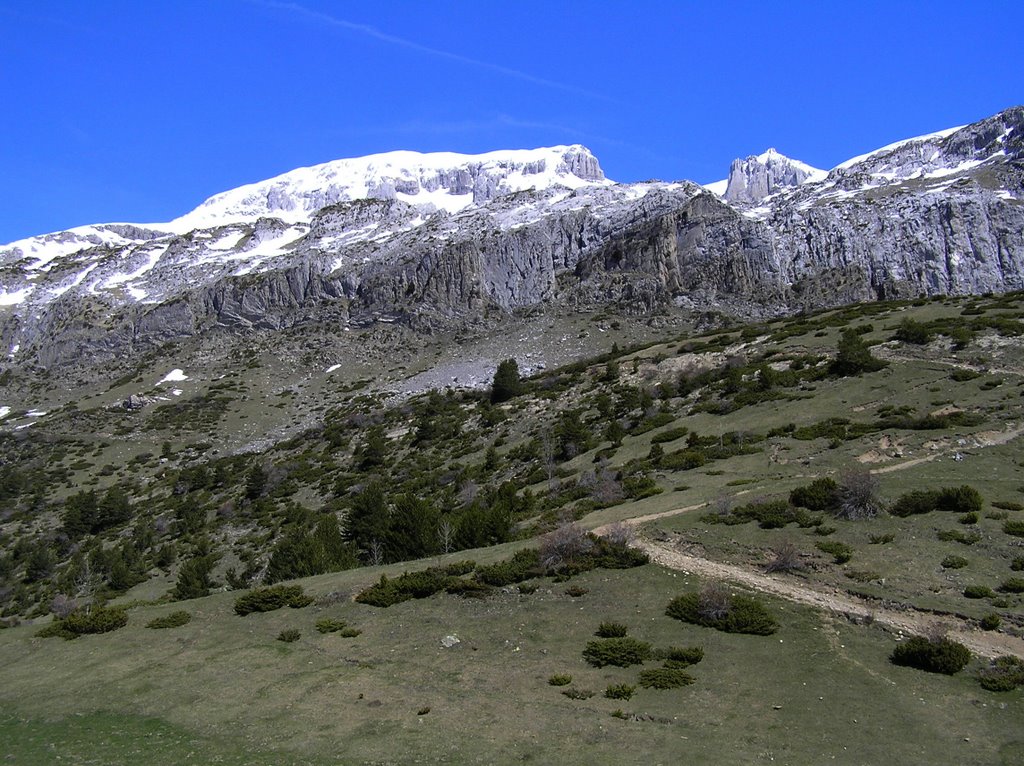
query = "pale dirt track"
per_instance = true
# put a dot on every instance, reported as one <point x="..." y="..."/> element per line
<point x="909" y="621"/>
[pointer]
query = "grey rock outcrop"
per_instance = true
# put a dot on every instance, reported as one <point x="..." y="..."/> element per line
<point x="940" y="214"/>
<point x="756" y="177"/>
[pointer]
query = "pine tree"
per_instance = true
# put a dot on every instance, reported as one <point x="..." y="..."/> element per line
<point x="194" y="578"/>
<point x="854" y="356"/>
<point x="507" y="383"/>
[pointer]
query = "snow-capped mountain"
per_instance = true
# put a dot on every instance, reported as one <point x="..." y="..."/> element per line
<point x="424" y="238"/>
<point x="754" y="178"/>
<point x="429" y="182"/>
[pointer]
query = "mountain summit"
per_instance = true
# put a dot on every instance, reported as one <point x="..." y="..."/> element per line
<point x="431" y="182"/>
<point x="432" y="240"/>
<point x="756" y="177"/>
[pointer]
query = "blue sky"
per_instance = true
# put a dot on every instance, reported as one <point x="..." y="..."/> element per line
<point x="138" y="110"/>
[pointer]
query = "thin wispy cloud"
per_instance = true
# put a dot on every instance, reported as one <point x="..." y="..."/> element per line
<point x="384" y="37"/>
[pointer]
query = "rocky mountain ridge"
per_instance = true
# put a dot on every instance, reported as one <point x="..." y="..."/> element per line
<point x="429" y="239"/>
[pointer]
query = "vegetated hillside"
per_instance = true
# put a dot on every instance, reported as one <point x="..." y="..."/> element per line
<point x="107" y="500"/>
<point x="751" y="447"/>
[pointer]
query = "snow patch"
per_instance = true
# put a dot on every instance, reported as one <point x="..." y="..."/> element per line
<point x="18" y="296"/>
<point x="333" y="367"/>
<point x="718" y="187"/>
<point x="35" y="413"/>
<point x="173" y="376"/>
<point x="4" y="412"/>
<point x="936" y="136"/>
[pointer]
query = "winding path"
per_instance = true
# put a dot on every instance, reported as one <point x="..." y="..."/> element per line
<point x="907" y="620"/>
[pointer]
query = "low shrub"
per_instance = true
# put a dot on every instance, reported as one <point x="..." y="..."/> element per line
<point x="954" y="562"/>
<point x="881" y="539"/>
<point x="576" y="591"/>
<point x="269" y="599"/>
<point x="914" y="503"/>
<point x="1012" y="585"/>
<point x="680" y="657"/>
<point x="1017" y="565"/>
<point x="963" y="499"/>
<point x="611" y="630"/>
<point x="731" y="613"/>
<point x="619" y="692"/>
<point x="459" y="568"/>
<point x="524" y="565"/>
<point x="664" y="678"/>
<point x="1003" y="674"/>
<point x="97" y="620"/>
<point x="288" y="636"/>
<point x="978" y="591"/>
<point x="840" y="552"/>
<point x="935" y="656"/>
<point x="172" y="620"/>
<point x="330" y="625"/>
<point x="956" y="536"/>
<point x="1014" y="527"/>
<point x="621" y="652"/>
<point x="528" y="588"/>
<point x="819" y="495"/>
<point x="560" y="679"/>
<point x="1007" y="505"/>
<point x="969" y="518"/>
<point x="990" y="621"/>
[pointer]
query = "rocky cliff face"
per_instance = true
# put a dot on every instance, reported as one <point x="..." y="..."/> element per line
<point x="755" y="178"/>
<point x="446" y="237"/>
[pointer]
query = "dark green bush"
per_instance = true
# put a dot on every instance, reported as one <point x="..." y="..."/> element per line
<point x="611" y="630"/>
<point x="289" y="635"/>
<point x="713" y="608"/>
<point x="524" y="565"/>
<point x="1017" y="565"/>
<point x="1007" y="505"/>
<point x="969" y="518"/>
<point x="819" y="495"/>
<point x="621" y="652"/>
<point x="269" y="599"/>
<point x="98" y="620"/>
<point x="934" y="656"/>
<point x="459" y="568"/>
<point x="1012" y="585"/>
<point x="560" y="679"/>
<point x="680" y="657"/>
<point x="978" y="591"/>
<point x="619" y="692"/>
<point x="1003" y="674"/>
<point x="963" y="499"/>
<point x="954" y="562"/>
<point x="956" y="536"/>
<point x="840" y="552"/>
<point x="664" y="678"/>
<point x="330" y="625"/>
<point x="669" y="436"/>
<point x="1014" y="527"/>
<point x="912" y="503"/>
<point x="172" y="620"/>
<point x="990" y="621"/>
